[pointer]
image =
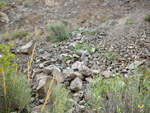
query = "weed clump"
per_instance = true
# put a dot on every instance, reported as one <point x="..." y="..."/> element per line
<point x="130" y="95"/>
<point x="147" y="18"/>
<point x="58" y="32"/>
<point x="129" y="22"/>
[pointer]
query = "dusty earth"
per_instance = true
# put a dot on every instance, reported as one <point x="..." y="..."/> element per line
<point x="127" y="43"/>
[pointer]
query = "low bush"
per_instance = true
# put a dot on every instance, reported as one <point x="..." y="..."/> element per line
<point x="17" y="94"/>
<point x="58" y="100"/>
<point x="26" y="4"/>
<point x="58" y="32"/>
<point x="119" y="95"/>
<point x="18" y="97"/>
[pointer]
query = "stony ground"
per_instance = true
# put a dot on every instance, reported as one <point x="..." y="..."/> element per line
<point x="111" y="50"/>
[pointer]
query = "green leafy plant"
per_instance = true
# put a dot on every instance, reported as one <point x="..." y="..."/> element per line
<point x="2" y="3"/>
<point x="65" y="59"/>
<point x="16" y="20"/>
<point x="118" y="94"/>
<point x="17" y="91"/>
<point x="6" y="58"/>
<point x="129" y="22"/>
<point x="58" y="32"/>
<point x="147" y="18"/>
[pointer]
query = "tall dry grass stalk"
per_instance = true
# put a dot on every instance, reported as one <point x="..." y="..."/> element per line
<point x="4" y="88"/>
<point x="15" y="77"/>
<point x="48" y="93"/>
<point x="36" y="31"/>
<point x="29" y="64"/>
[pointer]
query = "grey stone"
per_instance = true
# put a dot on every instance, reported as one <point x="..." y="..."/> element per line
<point x="84" y="70"/>
<point x="76" y="84"/>
<point x="27" y="49"/>
<point x="77" y="65"/>
<point x="49" y="69"/>
<point x="107" y="73"/>
<point x="76" y="74"/>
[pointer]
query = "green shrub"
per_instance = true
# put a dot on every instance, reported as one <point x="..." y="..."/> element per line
<point x="58" y="32"/>
<point x="26" y="4"/>
<point x="147" y="18"/>
<point x="2" y="3"/>
<point x="6" y="58"/>
<point x="129" y="22"/>
<point x="16" y="20"/>
<point x="19" y="96"/>
<point x="58" y="101"/>
<point x="119" y="95"/>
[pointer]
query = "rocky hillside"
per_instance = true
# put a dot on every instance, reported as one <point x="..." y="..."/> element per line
<point x="107" y="37"/>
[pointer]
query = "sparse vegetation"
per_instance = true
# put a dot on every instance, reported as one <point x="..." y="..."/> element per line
<point x="58" y="102"/>
<point x="130" y="95"/>
<point x="77" y="29"/>
<point x="92" y="32"/>
<point x="26" y="39"/>
<point x="14" y="89"/>
<point x="79" y="45"/>
<point x="110" y="56"/>
<point x="16" y="20"/>
<point x="2" y="3"/>
<point x="83" y="46"/>
<point x="7" y="36"/>
<point x="147" y="18"/>
<point x="129" y="22"/>
<point x="58" y="32"/>
<point x="20" y="34"/>
<point x="26" y="4"/>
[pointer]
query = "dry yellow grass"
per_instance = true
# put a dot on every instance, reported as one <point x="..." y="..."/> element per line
<point x="15" y="77"/>
<point x="4" y="88"/>
<point x="36" y="33"/>
<point x="48" y="93"/>
<point x="29" y="64"/>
